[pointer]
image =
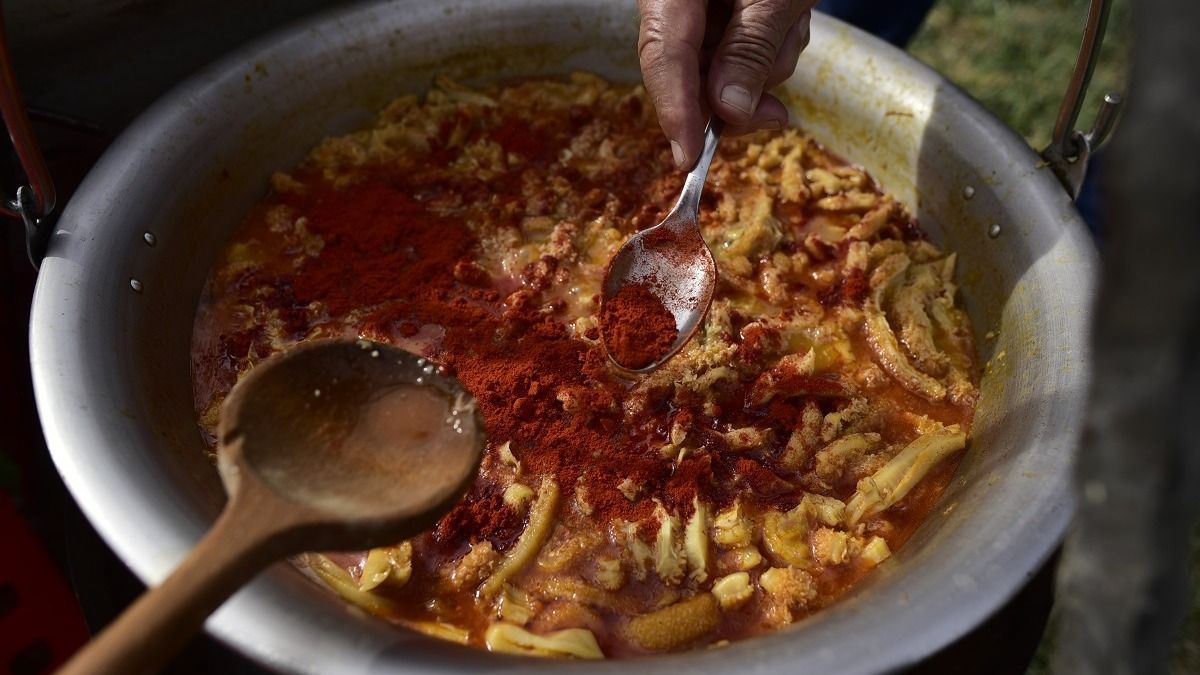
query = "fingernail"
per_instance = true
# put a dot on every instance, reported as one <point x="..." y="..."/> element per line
<point x="738" y="97"/>
<point x="677" y="153"/>
<point x="773" y="125"/>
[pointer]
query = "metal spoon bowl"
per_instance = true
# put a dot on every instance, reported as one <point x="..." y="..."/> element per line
<point x="672" y="259"/>
<point x="333" y="444"/>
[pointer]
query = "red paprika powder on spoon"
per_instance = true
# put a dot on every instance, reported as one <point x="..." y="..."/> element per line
<point x="636" y="327"/>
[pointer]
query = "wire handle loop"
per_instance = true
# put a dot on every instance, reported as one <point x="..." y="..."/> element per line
<point x="33" y="200"/>
<point x="1070" y="149"/>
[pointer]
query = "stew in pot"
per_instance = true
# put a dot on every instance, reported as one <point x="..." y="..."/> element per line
<point x="796" y="442"/>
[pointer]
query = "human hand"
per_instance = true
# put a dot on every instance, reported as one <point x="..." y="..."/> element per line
<point x="721" y="56"/>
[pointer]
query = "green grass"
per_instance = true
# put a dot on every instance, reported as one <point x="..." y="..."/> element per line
<point x="1016" y="57"/>
<point x="1186" y="655"/>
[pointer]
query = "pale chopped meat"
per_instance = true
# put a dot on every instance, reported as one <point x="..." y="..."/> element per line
<point x="826" y="510"/>
<point x="474" y="566"/>
<point x="792" y="187"/>
<point x="507" y="456"/>
<point x="804" y="440"/>
<point x="641" y="555"/>
<point x="741" y="559"/>
<point x="787" y="589"/>
<point x="848" y="201"/>
<point x="676" y="625"/>
<point x="518" y="496"/>
<point x="733" y="590"/>
<point x="629" y="488"/>
<point x="883" y="341"/>
<point x="391" y="564"/>
<point x="858" y="256"/>
<point x="696" y="542"/>
<point x="873" y="221"/>
<point x="786" y="535"/>
<point x="516" y="606"/>
<point x="579" y="643"/>
<point x="564" y="549"/>
<point x="563" y="614"/>
<point x="823" y="182"/>
<point x="609" y="574"/>
<point x="459" y="93"/>
<point x="747" y="438"/>
<point x="668" y="552"/>
<point x="891" y="483"/>
<point x="856" y="417"/>
<point x="909" y="302"/>
<point x="834" y="459"/>
<point x="285" y="183"/>
<point x="753" y="233"/>
<point x="876" y="551"/>
<point x="831" y="547"/>
<point x="731" y="527"/>
<point x="582" y="504"/>
<point x="788" y="377"/>
<point x="541" y="520"/>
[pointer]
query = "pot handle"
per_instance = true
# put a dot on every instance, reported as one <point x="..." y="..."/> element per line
<point x="34" y="200"/>
<point x="1070" y="149"/>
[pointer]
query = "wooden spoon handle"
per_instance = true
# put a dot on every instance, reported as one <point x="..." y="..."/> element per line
<point x="165" y="617"/>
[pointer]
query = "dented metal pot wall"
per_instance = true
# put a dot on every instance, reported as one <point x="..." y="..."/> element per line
<point x="114" y="305"/>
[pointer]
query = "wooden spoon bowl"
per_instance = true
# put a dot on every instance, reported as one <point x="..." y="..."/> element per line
<point x="333" y="444"/>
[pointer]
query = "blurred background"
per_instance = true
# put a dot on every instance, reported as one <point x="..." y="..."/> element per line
<point x="1015" y="56"/>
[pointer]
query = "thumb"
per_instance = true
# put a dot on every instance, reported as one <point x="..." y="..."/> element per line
<point x="747" y="54"/>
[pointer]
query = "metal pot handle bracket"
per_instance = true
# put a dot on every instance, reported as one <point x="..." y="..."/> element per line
<point x="1070" y="149"/>
<point x="34" y="200"/>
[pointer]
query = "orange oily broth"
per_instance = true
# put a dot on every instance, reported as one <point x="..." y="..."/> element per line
<point x="426" y="598"/>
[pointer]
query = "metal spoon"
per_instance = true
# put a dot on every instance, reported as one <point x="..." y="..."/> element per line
<point x="336" y="444"/>
<point x="672" y="259"/>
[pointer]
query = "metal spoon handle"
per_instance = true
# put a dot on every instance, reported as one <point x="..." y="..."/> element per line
<point x="689" y="197"/>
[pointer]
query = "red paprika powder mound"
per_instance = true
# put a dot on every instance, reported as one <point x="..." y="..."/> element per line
<point x="637" y="328"/>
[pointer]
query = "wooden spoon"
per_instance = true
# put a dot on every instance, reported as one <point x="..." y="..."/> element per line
<point x="335" y="444"/>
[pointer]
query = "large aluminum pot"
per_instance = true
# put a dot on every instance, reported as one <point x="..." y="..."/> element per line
<point x="112" y="316"/>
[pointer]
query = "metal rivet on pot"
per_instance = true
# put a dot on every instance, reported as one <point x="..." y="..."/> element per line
<point x="994" y="230"/>
<point x="149" y="238"/>
<point x="135" y="285"/>
<point x="968" y="192"/>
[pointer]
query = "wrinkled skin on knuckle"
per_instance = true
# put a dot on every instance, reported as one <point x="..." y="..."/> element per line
<point x="652" y="38"/>
<point x="772" y="18"/>
<point x="750" y="51"/>
<point x="757" y="33"/>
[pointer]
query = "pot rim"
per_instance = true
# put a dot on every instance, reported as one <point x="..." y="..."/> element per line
<point x="318" y="643"/>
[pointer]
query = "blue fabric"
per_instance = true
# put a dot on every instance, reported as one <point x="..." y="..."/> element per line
<point x="1091" y="197"/>
<point x="893" y="20"/>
